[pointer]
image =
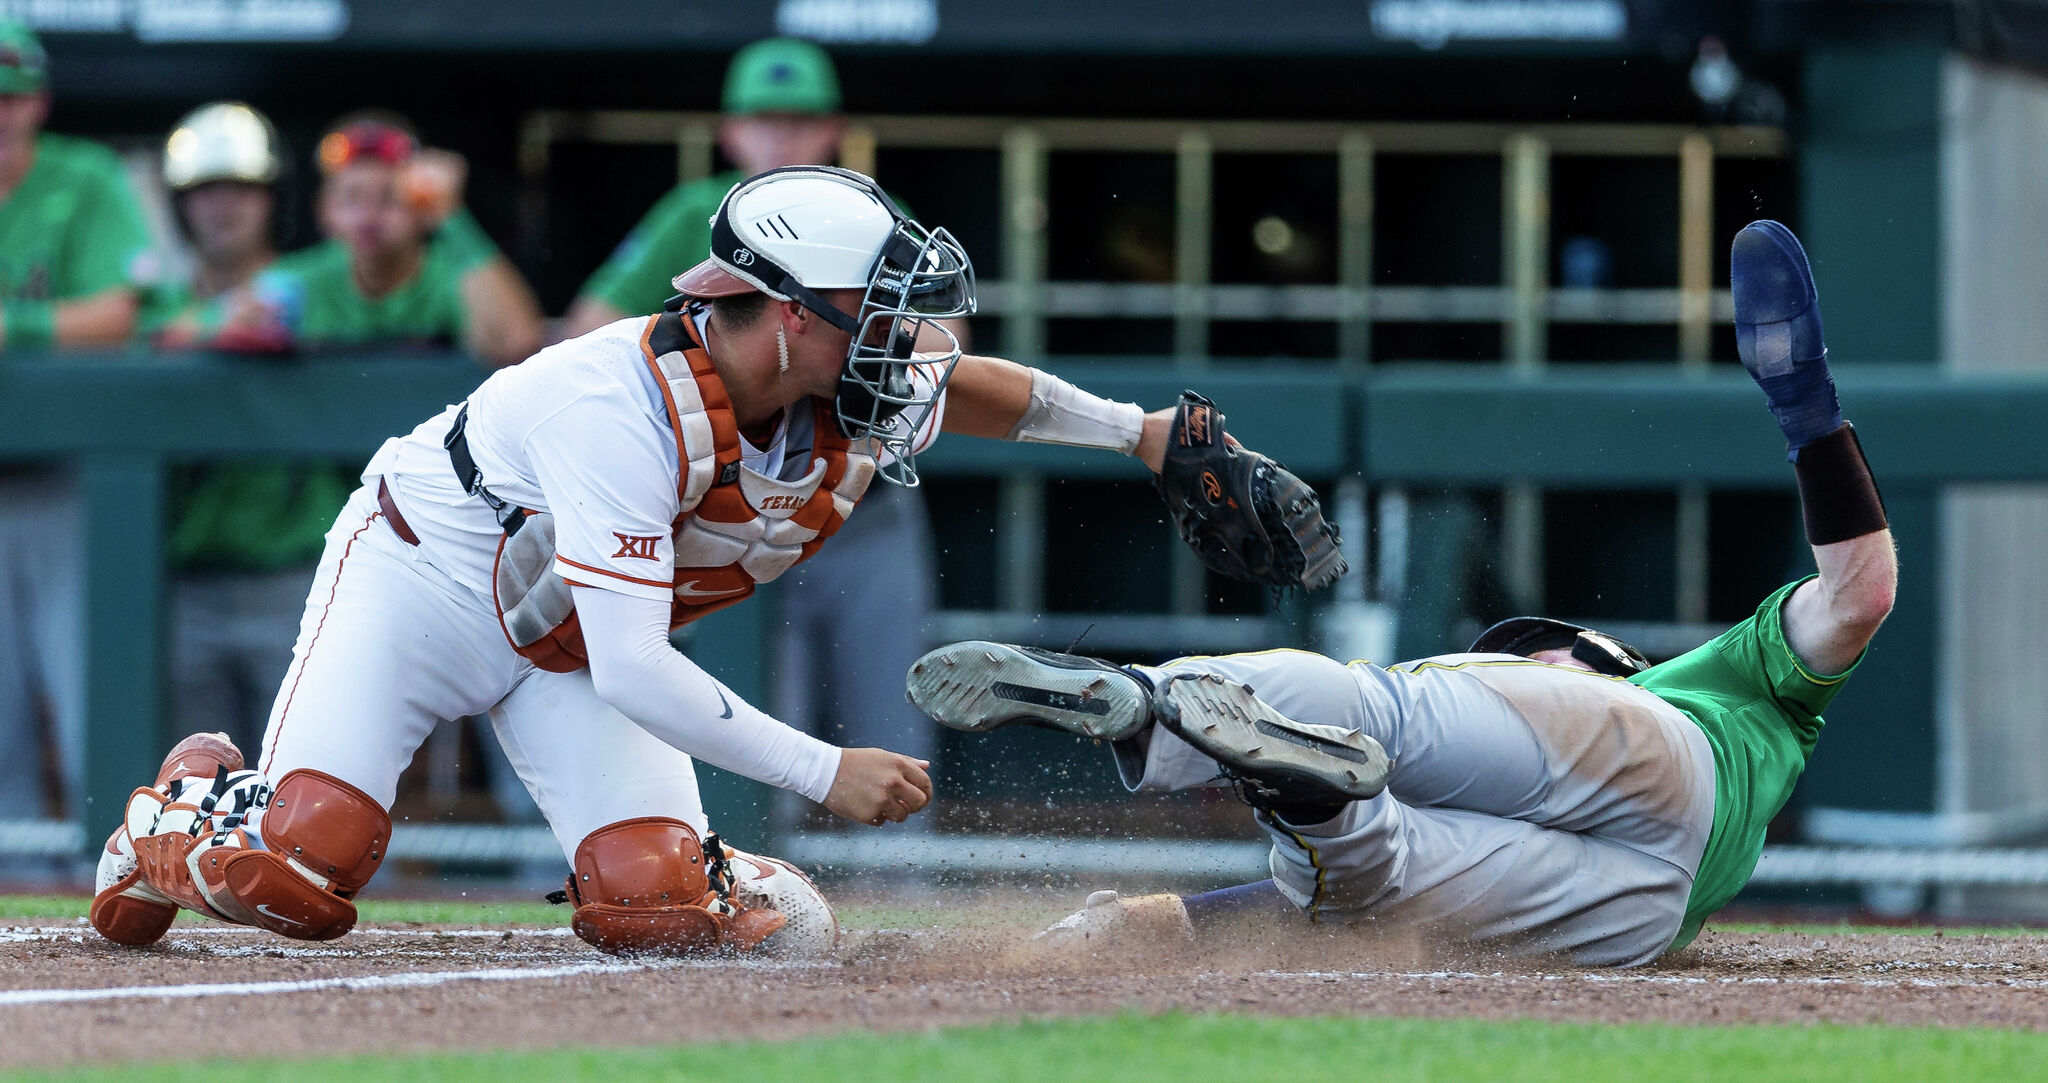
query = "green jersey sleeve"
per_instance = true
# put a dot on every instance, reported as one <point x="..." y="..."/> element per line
<point x="674" y="237"/>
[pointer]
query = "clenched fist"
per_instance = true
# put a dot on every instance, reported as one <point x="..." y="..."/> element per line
<point x="876" y="785"/>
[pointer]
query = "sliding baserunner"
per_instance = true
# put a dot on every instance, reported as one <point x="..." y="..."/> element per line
<point x="1546" y="790"/>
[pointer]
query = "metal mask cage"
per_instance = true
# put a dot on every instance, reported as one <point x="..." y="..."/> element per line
<point x="922" y="277"/>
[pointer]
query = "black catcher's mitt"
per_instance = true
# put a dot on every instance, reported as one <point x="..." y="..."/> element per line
<point x="1245" y="515"/>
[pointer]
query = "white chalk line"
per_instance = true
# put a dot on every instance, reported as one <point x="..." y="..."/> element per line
<point x="20" y="997"/>
<point x="1504" y="977"/>
<point x="77" y="933"/>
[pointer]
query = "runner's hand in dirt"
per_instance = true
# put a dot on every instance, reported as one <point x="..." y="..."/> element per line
<point x="875" y="785"/>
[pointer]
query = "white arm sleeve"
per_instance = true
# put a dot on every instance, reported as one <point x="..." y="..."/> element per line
<point x="1060" y="413"/>
<point x="650" y="682"/>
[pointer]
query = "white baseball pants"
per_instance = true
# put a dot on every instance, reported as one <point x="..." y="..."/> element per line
<point x="1532" y="807"/>
<point x="389" y="646"/>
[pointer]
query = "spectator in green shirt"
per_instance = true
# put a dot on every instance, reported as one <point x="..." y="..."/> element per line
<point x="71" y="242"/>
<point x="71" y="234"/>
<point x="222" y="164"/>
<point x="781" y="108"/>
<point x="403" y="262"/>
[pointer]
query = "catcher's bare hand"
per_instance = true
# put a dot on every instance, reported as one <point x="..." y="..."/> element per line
<point x="875" y="785"/>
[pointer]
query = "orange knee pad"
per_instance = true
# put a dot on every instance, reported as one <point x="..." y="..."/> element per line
<point x="645" y="885"/>
<point x="323" y="839"/>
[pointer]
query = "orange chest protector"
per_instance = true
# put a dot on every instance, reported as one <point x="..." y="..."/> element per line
<point x="737" y="528"/>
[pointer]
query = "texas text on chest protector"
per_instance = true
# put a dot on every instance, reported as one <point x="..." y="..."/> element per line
<point x="737" y="527"/>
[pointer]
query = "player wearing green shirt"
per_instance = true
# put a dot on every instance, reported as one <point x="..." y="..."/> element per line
<point x="1547" y="790"/>
<point x="72" y="243"/>
<point x="402" y="262"/>
<point x="71" y="236"/>
<point x="222" y="165"/>
<point x="781" y="107"/>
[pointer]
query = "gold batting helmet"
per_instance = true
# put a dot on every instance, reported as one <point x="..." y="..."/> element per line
<point x="225" y="141"/>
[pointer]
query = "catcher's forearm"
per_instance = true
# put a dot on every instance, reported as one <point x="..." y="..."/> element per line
<point x="992" y="397"/>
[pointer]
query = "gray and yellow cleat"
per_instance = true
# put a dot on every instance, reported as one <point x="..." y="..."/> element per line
<point x="980" y="686"/>
<point x="1280" y="761"/>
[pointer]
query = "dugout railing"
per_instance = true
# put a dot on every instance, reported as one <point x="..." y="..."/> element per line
<point x="1022" y="294"/>
<point x="1437" y="432"/>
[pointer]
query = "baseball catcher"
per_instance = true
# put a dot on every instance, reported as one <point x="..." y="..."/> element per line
<point x="1546" y="790"/>
<point x="527" y="552"/>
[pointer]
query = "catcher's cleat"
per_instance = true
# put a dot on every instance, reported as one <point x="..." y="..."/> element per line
<point x="980" y="686"/>
<point x="1278" y="761"/>
<point x="124" y="909"/>
<point x="1778" y="331"/>
<point x="201" y="755"/>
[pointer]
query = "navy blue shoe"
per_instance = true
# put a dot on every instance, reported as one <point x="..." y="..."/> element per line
<point x="1778" y="331"/>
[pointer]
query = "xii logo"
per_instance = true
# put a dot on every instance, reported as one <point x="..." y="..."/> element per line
<point x="632" y="545"/>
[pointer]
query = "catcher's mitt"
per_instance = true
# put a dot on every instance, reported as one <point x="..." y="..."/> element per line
<point x="1245" y="515"/>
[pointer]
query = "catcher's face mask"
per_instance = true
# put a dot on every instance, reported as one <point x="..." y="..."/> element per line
<point x="914" y="278"/>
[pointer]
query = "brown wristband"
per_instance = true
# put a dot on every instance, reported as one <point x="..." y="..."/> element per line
<point x="1836" y="492"/>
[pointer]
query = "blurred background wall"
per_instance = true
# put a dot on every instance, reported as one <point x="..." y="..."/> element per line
<point x="1314" y="186"/>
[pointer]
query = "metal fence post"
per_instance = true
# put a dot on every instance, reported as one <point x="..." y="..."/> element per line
<point x="121" y="530"/>
<point x="1525" y="192"/>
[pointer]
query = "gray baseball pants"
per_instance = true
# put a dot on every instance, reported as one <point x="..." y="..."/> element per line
<point x="1531" y="807"/>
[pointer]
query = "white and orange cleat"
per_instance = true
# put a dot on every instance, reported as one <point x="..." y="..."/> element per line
<point x="810" y="930"/>
<point x="126" y="910"/>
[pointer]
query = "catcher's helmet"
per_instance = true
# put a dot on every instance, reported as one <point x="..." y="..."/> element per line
<point x="791" y="232"/>
<point x="225" y="141"/>
<point x="1525" y="636"/>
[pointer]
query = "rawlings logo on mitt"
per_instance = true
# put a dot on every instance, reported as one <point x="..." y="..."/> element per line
<point x="1245" y="515"/>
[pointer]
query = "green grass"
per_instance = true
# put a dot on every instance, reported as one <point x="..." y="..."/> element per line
<point x="1179" y="1048"/>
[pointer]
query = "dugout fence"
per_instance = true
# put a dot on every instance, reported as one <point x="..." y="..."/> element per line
<point x="1437" y="432"/>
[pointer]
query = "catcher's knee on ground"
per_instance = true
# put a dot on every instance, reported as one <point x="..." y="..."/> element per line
<point x="645" y="885"/>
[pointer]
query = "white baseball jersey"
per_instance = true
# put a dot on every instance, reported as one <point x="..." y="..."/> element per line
<point x="398" y="636"/>
<point x="578" y="431"/>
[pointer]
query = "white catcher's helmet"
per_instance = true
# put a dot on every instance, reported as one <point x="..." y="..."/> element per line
<point x="791" y="232"/>
<point x="225" y="141"/>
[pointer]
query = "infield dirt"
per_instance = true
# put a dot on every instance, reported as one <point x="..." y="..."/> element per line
<point x="966" y="972"/>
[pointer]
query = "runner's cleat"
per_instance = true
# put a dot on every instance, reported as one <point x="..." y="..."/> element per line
<point x="980" y="686"/>
<point x="1280" y="761"/>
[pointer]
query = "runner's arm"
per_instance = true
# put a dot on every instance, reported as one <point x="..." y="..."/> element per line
<point x="1831" y="619"/>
